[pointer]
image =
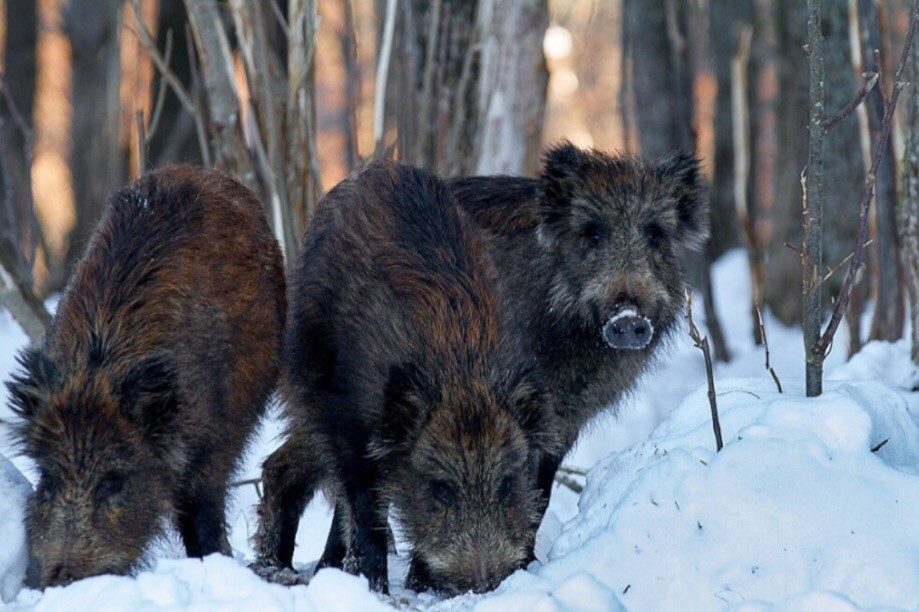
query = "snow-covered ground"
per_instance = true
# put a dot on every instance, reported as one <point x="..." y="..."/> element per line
<point x="797" y="512"/>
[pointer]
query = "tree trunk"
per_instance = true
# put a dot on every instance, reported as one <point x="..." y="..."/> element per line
<point x="887" y="323"/>
<point x="812" y="252"/>
<point x="908" y="217"/>
<point x="783" y="266"/>
<point x="512" y="87"/>
<point x="844" y="168"/>
<point x="727" y="19"/>
<point x="657" y="117"/>
<point x="96" y="157"/>
<point x="174" y="138"/>
<point x="18" y="232"/>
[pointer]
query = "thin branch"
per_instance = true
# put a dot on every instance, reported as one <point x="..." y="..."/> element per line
<point x="822" y="346"/>
<point x="762" y="331"/>
<point x="162" y="64"/>
<point x="200" y="129"/>
<point x="430" y="63"/>
<point x="161" y="92"/>
<point x="871" y="79"/>
<point x="379" y="111"/>
<point x="831" y="271"/>
<point x="701" y="343"/>
<point x="141" y="142"/>
<point x="571" y="483"/>
<point x="567" y="469"/>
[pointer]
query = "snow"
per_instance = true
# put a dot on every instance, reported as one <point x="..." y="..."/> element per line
<point x="14" y="492"/>
<point x="797" y="512"/>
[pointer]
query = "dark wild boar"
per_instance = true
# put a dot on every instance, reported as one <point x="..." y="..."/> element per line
<point x="591" y="253"/>
<point x="157" y="367"/>
<point x="401" y="392"/>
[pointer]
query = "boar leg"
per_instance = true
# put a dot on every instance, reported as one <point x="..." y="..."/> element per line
<point x="202" y="516"/>
<point x="336" y="546"/>
<point x="368" y="551"/>
<point x="545" y="479"/>
<point x="289" y="479"/>
<point x="419" y="577"/>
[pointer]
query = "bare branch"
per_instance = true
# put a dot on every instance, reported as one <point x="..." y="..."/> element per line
<point x="571" y="483"/>
<point x="567" y="469"/>
<point x="762" y="331"/>
<point x="821" y="348"/>
<point x="26" y="309"/>
<point x="871" y="79"/>
<point x="379" y="111"/>
<point x="161" y="93"/>
<point x="701" y="343"/>
<point x="141" y="142"/>
<point x="161" y="63"/>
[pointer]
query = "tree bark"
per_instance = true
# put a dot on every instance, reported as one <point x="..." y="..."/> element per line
<point x="783" y="266"/>
<point x="908" y="213"/>
<point x="512" y="86"/>
<point x="812" y="253"/>
<point x="844" y="168"/>
<point x="727" y="19"/>
<point x="887" y="323"/>
<point x="17" y="228"/>
<point x="96" y="156"/>
<point x="175" y="138"/>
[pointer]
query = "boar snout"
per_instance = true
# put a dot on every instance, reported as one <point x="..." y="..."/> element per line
<point x="628" y="329"/>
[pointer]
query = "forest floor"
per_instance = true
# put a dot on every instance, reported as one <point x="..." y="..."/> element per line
<point x="812" y="504"/>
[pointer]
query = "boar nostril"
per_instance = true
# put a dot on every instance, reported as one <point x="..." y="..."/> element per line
<point x="61" y="575"/>
<point x="627" y="330"/>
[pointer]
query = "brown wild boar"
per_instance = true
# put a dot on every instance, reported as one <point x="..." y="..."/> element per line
<point x="157" y="367"/>
<point x="401" y="392"/>
<point x="591" y="252"/>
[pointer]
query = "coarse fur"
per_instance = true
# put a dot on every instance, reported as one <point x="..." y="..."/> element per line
<point x="158" y="365"/>
<point x="404" y="389"/>
<point x="593" y="234"/>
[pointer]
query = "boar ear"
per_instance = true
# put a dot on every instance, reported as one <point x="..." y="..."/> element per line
<point x="563" y="167"/>
<point x="406" y="403"/>
<point x="681" y="176"/>
<point x="149" y="397"/>
<point x="31" y="387"/>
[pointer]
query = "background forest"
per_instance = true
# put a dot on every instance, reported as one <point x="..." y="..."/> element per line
<point x="290" y="96"/>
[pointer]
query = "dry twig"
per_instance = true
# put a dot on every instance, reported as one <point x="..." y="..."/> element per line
<point x="701" y="342"/>
<point x="762" y="332"/>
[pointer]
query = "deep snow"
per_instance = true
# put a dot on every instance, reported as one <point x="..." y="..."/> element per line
<point x="796" y="512"/>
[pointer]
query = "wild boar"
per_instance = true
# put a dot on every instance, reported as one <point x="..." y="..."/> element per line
<point x="403" y="389"/>
<point x="157" y="367"/>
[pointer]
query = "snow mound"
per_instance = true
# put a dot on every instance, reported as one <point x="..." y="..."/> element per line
<point x="213" y="583"/>
<point x="797" y="509"/>
<point x="14" y="558"/>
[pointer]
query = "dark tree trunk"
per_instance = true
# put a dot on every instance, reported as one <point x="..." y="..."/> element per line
<point x="727" y="19"/>
<point x="908" y="217"/>
<point x="783" y="265"/>
<point x="663" y="58"/>
<point x="887" y="323"/>
<point x="96" y="157"/>
<point x="658" y="119"/>
<point x="18" y="233"/>
<point x="844" y="169"/>
<point x="174" y="138"/>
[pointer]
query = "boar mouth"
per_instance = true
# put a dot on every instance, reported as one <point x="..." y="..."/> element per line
<point x="627" y="329"/>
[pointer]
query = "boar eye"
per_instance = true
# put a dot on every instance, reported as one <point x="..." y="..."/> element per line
<point x="507" y="486"/>
<point x="46" y="486"/>
<point x="442" y="493"/>
<point x="111" y="485"/>
<point x="594" y="233"/>
<point x="656" y="235"/>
